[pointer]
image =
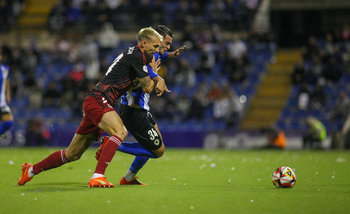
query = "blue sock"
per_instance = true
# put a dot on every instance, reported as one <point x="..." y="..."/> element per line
<point x="136" y="149"/>
<point x="137" y="164"/>
<point x="5" y="126"/>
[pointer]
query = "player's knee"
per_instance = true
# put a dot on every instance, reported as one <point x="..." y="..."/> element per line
<point x="160" y="152"/>
<point x="122" y="133"/>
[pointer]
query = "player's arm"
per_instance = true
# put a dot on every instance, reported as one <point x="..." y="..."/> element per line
<point x="153" y="68"/>
<point x="136" y="86"/>
<point x="8" y="91"/>
<point x="176" y="53"/>
<point x="153" y="76"/>
<point x="147" y="84"/>
<point x="160" y="86"/>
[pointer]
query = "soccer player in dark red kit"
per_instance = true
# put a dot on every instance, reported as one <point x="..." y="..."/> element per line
<point x="128" y="70"/>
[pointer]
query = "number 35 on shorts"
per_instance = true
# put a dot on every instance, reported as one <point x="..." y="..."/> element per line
<point x="153" y="135"/>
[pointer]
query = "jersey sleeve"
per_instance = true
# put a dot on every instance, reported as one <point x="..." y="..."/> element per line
<point x="164" y="56"/>
<point x="136" y="63"/>
<point x="152" y="74"/>
<point x="161" y="57"/>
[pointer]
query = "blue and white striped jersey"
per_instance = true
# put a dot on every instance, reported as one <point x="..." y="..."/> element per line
<point x="3" y="77"/>
<point x="137" y="96"/>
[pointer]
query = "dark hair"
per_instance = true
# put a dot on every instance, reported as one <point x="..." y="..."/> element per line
<point x="164" y="30"/>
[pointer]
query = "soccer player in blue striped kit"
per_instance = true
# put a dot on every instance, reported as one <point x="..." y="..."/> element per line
<point x="134" y="112"/>
<point x="5" y="97"/>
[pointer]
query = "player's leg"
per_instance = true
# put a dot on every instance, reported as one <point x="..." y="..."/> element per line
<point x="142" y="126"/>
<point x="79" y="145"/>
<point x="130" y="177"/>
<point x="102" y="116"/>
<point x="114" y="126"/>
<point x="74" y="151"/>
<point x="86" y="134"/>
<point x="132" y="148"/>
<point x="140" y="123"/>
<point x="160" y="151"/>
<point x="142" y="156"/>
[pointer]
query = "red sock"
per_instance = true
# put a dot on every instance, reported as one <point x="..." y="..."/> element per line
<point x="107" y="154"/>
<point x="54" y="160"/>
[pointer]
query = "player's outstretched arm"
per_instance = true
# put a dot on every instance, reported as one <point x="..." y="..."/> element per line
<point x="176" y="53"/>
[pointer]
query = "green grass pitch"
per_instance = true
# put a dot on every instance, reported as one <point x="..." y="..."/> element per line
<point x="182" y="181"/>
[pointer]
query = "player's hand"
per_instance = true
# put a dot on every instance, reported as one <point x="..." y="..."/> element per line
<point x="155" y="65"/>
<point x="178" y="51"/>
<point x="161" y="86"/>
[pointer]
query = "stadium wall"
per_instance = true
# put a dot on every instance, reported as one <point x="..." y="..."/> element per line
<point x="178" y="139"/>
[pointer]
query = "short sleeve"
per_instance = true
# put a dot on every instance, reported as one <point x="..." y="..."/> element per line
<point x="137" y="64"/>
<point x="164" y="56"/>
<point x="140" y="69"/>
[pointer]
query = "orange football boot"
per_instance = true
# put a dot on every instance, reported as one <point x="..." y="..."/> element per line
<point x="133" y="182"/>
<point x="100" y="182"/>
<point x="25" y="176"/>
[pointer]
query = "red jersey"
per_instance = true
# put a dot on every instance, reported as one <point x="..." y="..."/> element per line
<point x="122" y="74"/>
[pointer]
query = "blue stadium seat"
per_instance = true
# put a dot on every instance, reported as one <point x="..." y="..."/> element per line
<point x="254" y="79"/>
<point x="301" y="113"/>
<point x="286" y="113"/>
<point x="316" y="113"/>
<point x="282" y="125"/>
<point x="295" y="126"/>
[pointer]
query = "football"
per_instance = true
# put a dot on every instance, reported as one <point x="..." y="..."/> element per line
<point x="284" y="177"/>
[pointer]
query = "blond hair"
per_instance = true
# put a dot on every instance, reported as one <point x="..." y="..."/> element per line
<point x="147" y="34"/>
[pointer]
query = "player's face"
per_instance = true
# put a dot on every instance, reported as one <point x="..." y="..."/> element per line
<point x="165" y="44"/>
<point x="152" y="46"/>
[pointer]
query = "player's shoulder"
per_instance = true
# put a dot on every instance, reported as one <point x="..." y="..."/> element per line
<point x="133" y="52"/>
<point x="133" y="55"/>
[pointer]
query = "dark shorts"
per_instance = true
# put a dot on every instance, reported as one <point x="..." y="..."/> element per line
<point x="94" y="107"/>
<point x="140" y="123"/>
<point x="5" y="110"/>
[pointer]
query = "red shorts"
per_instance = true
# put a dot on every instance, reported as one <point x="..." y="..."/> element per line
<point x="94" y="107"/>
